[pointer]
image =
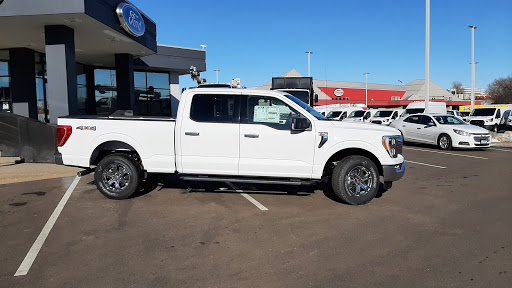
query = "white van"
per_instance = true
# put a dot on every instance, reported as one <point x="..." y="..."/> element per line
<point x="360" y="115"/>
<point x="455" y="113"/>
<point x="340" y="113"/>
<point x="386" y="116"/>
<point x="487" y="117"/>
<point x="325" y="109"/>
<point x="419" y="107"/>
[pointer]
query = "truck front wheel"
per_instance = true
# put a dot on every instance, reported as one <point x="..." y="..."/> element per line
<point x="355" y="180"/>
<point x="118" y="176"/>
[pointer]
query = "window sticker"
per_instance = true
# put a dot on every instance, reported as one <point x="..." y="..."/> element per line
<point x="266" y="114"/>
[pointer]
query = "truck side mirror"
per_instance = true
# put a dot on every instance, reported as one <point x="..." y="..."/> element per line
<point x="316" y="98"/>
<point x="300" y="124"/>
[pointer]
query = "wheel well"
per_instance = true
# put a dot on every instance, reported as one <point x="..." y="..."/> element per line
<point x="442" y="135"/>
<point x="112" y="147"/>
<point x="338" y="156"/>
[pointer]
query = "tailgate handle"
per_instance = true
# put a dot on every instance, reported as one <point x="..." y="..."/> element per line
<point x="192" y="133"/>
<point x="251" y="135"/>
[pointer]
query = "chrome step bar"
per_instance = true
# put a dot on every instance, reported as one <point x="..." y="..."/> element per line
<point x="247" y="180"/>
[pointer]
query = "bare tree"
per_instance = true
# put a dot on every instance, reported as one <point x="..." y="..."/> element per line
<point x="458" y="87"/>
<point x="500" y="90"/>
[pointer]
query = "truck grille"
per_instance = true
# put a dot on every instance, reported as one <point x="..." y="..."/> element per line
<point x="477" y="122"/>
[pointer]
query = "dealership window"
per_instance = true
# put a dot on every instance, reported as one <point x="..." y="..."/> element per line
<point x="152" y="94"/>
<point x="5" y="90"/>
<point x="43" y="113"/>
<point x="81" y="89"/>
<point x="105" y="91"/>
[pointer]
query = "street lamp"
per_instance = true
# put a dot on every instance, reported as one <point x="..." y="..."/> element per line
<point x="309" y="62"/>
<point x="427" y="56"/>
<point x="217" y="72"/>
<point x="472" y="65"/>
<point x="366" y="74"/>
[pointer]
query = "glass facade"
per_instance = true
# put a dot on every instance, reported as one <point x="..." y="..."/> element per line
<point x="43" y="114"/>
<point x="81" y="89"/>
<point x="5" y="80"/>
<point x="105" y="91"/>
<point x="152" y="94"/>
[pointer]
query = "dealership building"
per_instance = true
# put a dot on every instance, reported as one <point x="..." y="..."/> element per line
<point x="379" y="95"/>
<point x="87" y="57"/>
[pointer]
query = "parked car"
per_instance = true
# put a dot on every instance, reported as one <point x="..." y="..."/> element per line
<point x="386" y="116"/>
<point x="360" y="116"/>
<point x="506" y="121"/>
<point x="340" y="113"/>
<point x="487" y="117"/>
<point x="443" y="130"/>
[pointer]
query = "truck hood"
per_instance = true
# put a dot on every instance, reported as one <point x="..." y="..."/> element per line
<point x="359" y="126"/>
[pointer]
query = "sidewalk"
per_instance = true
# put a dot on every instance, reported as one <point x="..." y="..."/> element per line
<point x="11" y="172"/>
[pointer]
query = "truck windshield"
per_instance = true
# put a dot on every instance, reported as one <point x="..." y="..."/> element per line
<point x="334" y="114"/>
<point x="449" y="120"/>
<point x="359" y="113"/>
<point x="483" y="112"/>
<point x="383" y="113"/>
<point x="300" y="94"/>
<point x="306" y="107"/>
<point x="413" y="111"/>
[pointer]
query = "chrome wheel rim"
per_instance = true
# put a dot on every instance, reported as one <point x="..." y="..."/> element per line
<point x="116" y="177"/>
<point x="444" y="142"/>
<point x="359" y="181"/>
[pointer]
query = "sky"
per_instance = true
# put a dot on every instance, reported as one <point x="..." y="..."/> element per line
<point x="258" y="40"/>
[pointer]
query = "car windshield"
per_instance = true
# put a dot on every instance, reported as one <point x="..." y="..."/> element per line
<point x="483" y="112"/>
<point x="354" y="114"/>
<point x="449" y="120"/>
<point x="304" y="106"/>
<point x="334" y="114"/>
<point x="413" y="111"/>
<point x="383" y="114"/>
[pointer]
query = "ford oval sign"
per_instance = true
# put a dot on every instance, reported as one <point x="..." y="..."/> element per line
<point x="339" y="92"/>
<point x="130" y="19"/>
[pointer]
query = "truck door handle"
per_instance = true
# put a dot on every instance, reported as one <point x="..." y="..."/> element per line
<point x="192" y="133"/>
<point x="418" y="128"/>
<point x="251" y="135"/>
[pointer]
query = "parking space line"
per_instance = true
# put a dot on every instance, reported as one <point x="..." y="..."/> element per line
<point x="248" y="197"/>
<point x="447" y="153"/>
<point x="500" y="149"/>
<point x="32" y="253"/>
<point x="419" y="163"/>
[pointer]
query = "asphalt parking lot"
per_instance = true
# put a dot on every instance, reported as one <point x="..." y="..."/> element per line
<point x="447" y="223"/>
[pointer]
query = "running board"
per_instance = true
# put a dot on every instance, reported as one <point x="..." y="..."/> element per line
<point x="247" y="180"/>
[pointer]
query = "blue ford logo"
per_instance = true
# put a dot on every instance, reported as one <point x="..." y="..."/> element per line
<point x="130" y="19"/>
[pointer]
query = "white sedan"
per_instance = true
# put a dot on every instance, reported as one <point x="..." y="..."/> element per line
<point x="446" y="131"/>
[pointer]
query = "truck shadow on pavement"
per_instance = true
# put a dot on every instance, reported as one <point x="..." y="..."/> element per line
<point x="158" y="182"/>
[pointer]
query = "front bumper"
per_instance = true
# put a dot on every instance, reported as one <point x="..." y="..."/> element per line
<point x="393" y="172"/>
<point x="473" y="141"/>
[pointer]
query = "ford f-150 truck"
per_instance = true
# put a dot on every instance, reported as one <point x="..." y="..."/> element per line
<point x="234" y="135"/>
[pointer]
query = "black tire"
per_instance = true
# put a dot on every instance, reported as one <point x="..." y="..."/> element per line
<point x="118" y="176"/>
<point x="354" y="173"/>
<point x="495" y="128"/>
<point x="444" y="142"/>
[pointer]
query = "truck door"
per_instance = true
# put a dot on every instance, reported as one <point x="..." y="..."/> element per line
<point x="268" y="147"/>
<point x="210" y="135"/>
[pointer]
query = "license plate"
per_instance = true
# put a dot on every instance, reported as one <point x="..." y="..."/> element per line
<point x="483" y="141"/>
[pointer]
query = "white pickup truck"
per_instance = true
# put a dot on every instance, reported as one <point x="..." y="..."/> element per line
<point x="234" y="135"/>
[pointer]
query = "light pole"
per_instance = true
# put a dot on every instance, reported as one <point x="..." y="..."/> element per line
<point x="366" y="74"/>
<point x="309" y="62"/>
<point x="217" y="72"/>
<point x="472" y="66"/>
<point x="427" y="57"/>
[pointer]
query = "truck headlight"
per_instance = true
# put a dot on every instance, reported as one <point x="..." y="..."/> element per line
<point x="392" y="144"/>
<point x="461" y="132"/>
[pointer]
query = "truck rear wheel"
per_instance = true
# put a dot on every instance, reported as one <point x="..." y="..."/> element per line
<point x="118" y="176"/>
<point x="355" y="180"/>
